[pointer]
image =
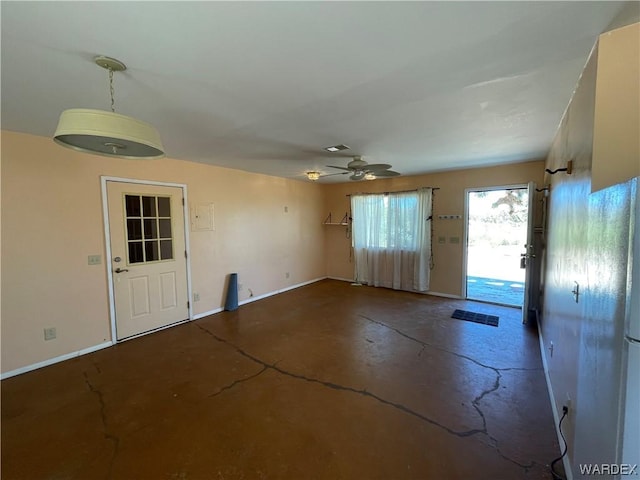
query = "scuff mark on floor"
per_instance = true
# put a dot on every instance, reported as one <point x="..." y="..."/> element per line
<point x="103" y="416"/>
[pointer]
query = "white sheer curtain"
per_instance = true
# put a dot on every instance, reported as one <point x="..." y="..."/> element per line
<point x="392" y="239"/>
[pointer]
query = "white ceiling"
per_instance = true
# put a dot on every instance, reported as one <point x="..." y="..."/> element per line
<point x="263" y="86"/>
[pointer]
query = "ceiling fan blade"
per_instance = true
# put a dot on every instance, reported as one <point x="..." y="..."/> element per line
<point x="374" y="167"/>
<point x="385" y="173"/>
<point x="341" y="168"/>
<point x="332" y="174"/>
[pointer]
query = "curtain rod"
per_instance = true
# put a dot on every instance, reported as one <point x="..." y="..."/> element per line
<point x="385" y="193"/>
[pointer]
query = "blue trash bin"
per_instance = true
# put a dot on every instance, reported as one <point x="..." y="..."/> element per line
<point x="232" y="293"/>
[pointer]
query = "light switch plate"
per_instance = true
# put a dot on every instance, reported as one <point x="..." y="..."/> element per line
<point x="94" y="259"/>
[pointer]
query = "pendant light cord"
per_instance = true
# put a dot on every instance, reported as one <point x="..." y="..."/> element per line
<point x="113" y="108"/>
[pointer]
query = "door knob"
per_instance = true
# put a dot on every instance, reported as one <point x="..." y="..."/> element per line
<point x="120" y="270"/>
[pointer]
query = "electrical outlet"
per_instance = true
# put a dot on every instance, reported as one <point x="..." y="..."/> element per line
<point x="551" y="349"/>
<point x="196" y="297"/>
<point x="50" y="333"/>
<point x="240" y="287"/>
<point x="286" y="209"/>
<point x="567" y="402"/>
<point x="286" y="275"/>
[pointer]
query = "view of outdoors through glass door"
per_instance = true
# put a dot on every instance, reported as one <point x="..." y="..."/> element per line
<point x="496" y="234"/>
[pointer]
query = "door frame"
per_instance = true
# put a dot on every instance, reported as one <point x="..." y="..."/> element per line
<point x="466" y="225"/>
<point x="107" y="235"/>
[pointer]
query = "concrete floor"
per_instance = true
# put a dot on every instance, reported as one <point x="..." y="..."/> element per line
<point x="328" y="381"/>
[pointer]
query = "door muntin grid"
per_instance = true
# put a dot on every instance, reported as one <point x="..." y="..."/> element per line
<point x="149" y="232"/>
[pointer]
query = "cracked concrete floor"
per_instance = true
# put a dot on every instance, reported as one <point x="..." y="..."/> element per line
<point x="328" y="381"/>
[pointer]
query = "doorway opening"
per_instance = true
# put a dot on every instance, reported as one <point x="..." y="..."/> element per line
<point x="497" y="221"/>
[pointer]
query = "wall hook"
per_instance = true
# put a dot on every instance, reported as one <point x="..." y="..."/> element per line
<point x="568" y="169"/>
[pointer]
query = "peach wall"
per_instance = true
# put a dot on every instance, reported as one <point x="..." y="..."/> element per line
<point x="588" y="241"/>
<point x="446" y="276"/>
<point x="52" y="220"/>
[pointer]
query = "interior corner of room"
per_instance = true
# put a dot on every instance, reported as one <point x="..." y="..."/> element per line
<point x="59" y="275"/>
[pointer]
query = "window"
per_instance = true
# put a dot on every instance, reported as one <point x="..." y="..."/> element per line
<point x="386" y="221"/>
<point x="149" y="233"/>
<point x="392" y="239"/>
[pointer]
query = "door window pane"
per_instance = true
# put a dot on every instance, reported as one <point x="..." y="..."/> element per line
<point x="148" y="220"/>
<point x="166" y="249"/>
<point x="134" y="229"/>
<point x="150" y="228"/>
<point x="165" y="228"/>
<point x="164" y="207"/>
<point x="135" y="252"/>
<point x="148" y="206"/>
<point x="151" y="251"/>
<point x="132" y="205"/>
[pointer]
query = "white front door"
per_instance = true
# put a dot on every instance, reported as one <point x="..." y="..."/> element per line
<point x="148" y="260"/>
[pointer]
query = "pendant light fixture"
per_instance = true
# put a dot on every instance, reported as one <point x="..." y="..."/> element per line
<point x="108" y="133"/>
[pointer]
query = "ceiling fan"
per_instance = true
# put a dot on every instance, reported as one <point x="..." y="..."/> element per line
<point x="361" y="170"/>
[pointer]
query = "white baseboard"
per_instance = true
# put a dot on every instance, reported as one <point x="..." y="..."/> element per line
<point x="445" y="295"/>
<point x="554" y="409"/>
<point x="51" y="361"/>
<point x="206" y="314"/>
<point x="282" y="290"/>
<point x="293" y="287"/>
<point x="350" y="280"/>
<point x="259" y="297"/>
<point x="435" y="294"/>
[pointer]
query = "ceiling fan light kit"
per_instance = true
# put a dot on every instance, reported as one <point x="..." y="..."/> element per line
<point x="313" y="176"/>
<point x="108" y="133"/>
